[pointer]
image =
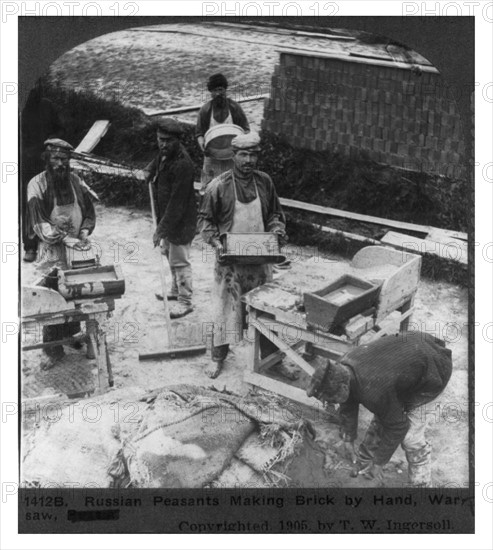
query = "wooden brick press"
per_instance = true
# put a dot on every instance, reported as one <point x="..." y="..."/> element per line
<point x="67" y="295"/>
<point x="354" y="301"/>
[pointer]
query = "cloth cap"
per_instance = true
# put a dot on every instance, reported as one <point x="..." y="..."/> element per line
<point x="330" y="383"/>
<point x="170" y="126"/>
<point x="217" y="80"/>
<point x="250" y="142"/>
<point x="54" y="144"/>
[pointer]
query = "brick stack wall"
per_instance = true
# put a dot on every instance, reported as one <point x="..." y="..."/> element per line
<point x="392" y="115"/>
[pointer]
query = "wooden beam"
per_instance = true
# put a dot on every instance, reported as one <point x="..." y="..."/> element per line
<point x="178" y="110"/>
<point x="317" y="209"/>
<point x="360" y="60"/>
<point x="449" y="251"/>
<point x="283" y="347"/>
<point x="281" y="388"/>
<point x="93" y="137"/>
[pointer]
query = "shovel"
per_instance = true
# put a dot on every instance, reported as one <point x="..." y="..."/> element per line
<point x="171" y="352"/>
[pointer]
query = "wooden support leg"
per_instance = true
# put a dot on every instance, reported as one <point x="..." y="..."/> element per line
<point x="253" y="354"/>
<point x="108" y="363"/>
<point x="404" y="325"/>
<point x="92" y="334"/>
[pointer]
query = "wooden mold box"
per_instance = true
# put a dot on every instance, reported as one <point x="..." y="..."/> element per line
<point x="333" y="305"/>
<point x="90" y="282"/>
<point x="252" y="248"/>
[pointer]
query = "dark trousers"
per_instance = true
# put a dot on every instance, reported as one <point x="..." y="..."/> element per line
<point x="51" y="333"/>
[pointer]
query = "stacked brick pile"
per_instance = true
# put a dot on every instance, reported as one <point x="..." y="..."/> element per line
<point x="391" y="114"/>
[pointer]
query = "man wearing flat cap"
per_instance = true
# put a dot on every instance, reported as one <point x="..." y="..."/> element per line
<point x="241" y="200"/>
<point x="392" y="377"/>
<point x="172" y="176"/>
<point x="219" y="110"/>
<point x="61" y="214"/>
<point x="60" y="206"/>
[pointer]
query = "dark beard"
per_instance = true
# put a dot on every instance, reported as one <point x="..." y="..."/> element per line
<point x="219" y="101"/>
<point x="60" y="178"/>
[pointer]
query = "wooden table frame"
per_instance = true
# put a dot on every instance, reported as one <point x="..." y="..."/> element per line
<point x="271" y="322"/>
<point x="94" y="313"/>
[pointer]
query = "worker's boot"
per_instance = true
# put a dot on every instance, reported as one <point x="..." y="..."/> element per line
<point x="184" y="284"/>
<point x="52" y="356"/>
<point x="30" y="255"/>
<point x="419" y="466"/>
<point x="173" y="293"/>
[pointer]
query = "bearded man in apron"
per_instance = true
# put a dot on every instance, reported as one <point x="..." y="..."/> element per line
<point x="219" y="110"/>
<point x="61" y="211"/>
<point x="241" y="200"/>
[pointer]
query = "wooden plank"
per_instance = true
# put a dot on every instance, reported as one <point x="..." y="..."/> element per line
<point x="281" y="388"/>
<point x="323" y="352"/>
<point x="258" y="325"/>
<point x="270" y="361"/>
<point x="422" y="246"/>
<point x="358" y="325"/>
<point x="337" y="343"/>
<point x="93" y="137"/>
<point x="253" y="350"/>
<point x="426" y="229"/>
<point x="191" y="108"/>
<point x="350" y="236"/>
<point x="361" y="60"/>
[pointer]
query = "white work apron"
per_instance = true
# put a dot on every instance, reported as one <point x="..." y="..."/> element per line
<point x="214" y="122"/>
<point x="69" y="216"/>
<point x="232" y="281"/>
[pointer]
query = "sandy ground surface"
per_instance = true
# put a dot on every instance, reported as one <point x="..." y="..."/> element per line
<point x="138" y="325"/>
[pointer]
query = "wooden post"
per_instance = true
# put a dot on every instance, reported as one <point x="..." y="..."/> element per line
<point x="404" y="325"/>
<point x="253" y="354"/>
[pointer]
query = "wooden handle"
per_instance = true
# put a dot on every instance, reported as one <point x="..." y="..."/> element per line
<point x="164" y="289"/>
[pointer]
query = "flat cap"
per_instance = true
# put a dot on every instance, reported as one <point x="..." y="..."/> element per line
<point x="250" y="141"/>
<point x="53" y="144"/>
<point x="169" y="126"/>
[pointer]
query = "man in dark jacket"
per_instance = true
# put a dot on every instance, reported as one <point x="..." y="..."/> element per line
<point x="172" y="176"/>
<point x="392" y="377"/>
<point x="219" y="110"/>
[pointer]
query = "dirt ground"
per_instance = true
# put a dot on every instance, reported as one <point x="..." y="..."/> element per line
<point x="124" y="237"/>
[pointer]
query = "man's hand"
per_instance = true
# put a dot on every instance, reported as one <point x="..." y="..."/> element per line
<point x="282" y="237"/>
<point x="163" y="245"/>
<point x="84" y="234"/>
<point x="375" y="472"/>
<point x="200" y="141"/>
<point x="346" y="450"/>
<point x="156" y="239"/>
<point x="217" y="245"/>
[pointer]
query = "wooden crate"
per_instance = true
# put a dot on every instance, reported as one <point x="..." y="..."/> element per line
<point x="91" y="282"/>
<point x="334" y="304"/>
<point x="252" y="248"/>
